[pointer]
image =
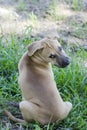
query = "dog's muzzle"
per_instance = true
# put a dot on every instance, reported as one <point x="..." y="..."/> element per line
<point x="63" y="61"/>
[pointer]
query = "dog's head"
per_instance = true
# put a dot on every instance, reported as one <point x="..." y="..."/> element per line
<point x="49" y="50"/>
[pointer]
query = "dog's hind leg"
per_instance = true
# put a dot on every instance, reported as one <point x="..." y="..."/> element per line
<point x="33" y="112"/>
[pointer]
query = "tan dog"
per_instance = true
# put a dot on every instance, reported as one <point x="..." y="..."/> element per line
<point x="41" y="99"/>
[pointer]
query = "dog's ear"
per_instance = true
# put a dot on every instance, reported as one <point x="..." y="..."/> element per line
<point x="32" y="48"/>
<point x="53" y="36"/>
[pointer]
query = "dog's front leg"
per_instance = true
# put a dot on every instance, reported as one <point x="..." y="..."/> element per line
<point x="62" y="108"/>
<point x="68" y="107"/>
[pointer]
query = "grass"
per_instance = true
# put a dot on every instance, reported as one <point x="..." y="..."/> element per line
<point x="21" y="5"/>
<point x="71" y="82"/>
<point x="79" y="30"/>
<point x="77" y="5"/>
<point x="34" y="19"/>
<point x="55" y="12"/>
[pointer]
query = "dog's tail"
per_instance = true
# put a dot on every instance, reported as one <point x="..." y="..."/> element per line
<point x="11" y="117"/>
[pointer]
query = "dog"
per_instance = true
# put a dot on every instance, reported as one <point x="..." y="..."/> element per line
<point x="41" y="99"/>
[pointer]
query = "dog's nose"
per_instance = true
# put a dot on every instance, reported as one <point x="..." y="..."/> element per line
<point x="67" y="60"/>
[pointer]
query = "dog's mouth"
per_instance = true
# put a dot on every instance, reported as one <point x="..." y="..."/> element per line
<point x="65" y="61"/>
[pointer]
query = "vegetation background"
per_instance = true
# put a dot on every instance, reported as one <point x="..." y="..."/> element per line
<point x="21" y="23"/>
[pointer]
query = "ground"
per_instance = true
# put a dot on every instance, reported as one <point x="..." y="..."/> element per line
<point x="65" y="18"/>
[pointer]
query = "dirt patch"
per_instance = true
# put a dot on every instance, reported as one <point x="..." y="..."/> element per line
<point x="43" y="16"/>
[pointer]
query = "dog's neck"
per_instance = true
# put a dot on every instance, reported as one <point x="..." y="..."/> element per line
<point x="43" y="67"/>
<point x="39" y="61"/>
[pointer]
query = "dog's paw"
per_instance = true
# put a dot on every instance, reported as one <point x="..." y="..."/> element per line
<point x="69" y="105"/>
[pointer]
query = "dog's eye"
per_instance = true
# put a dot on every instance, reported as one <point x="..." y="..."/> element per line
<point x="60" y="48"/>
<point x="52" y="56"/>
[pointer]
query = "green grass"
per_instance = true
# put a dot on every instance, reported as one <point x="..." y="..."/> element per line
<point x="77" y="5"/>
<point x="21" y="5"/>
<point x="55" y="13"/>
<point x="34" y="19"/>
<point x="79" y="30"/>
<point x="71" y="82"/>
